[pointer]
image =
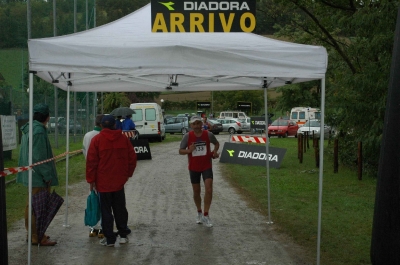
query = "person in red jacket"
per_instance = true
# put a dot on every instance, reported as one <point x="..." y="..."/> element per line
<point x="110" y="162"/>
<point x="196" y="144"/>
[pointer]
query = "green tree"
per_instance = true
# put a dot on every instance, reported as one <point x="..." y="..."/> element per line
<point x="113" y="10"/>
<point x="299" y="95"/>
<point x="115" y="100"/>
<point x="136" y="97"/>
<point x="359" y="38"/>
<point x="227" y="100"/>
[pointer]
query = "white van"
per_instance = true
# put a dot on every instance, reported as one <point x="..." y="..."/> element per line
<point x="232" y="114"/>
<point x="149" y="121"/>
<point x="302" y="114"/>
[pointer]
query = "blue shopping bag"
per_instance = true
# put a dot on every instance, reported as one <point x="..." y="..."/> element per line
<point x="92" y="211"/>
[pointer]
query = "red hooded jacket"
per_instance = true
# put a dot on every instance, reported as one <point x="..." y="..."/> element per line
<point x="111" y="160"/>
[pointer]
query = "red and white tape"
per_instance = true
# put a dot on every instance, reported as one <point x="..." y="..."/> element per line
<point x="249" y="139"/>
<point x="14" y="170"/>
<point x="129" y="134"/>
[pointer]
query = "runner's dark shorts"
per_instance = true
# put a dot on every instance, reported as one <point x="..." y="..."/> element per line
<point x="195" y="176"/>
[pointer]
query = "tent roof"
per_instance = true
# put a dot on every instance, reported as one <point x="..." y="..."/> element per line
<point x="126" y="56"/>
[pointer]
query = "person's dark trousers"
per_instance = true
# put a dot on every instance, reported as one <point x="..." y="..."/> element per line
<point x="113" y="203"/>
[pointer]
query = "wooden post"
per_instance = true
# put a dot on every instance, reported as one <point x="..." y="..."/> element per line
<point x="359" y="161"/>
<point x="314" y="140"/>
<point x="336" y="156"/>
<point x="308" y="140"/>
<point x="305" y="142"/>
<point x="301" y="149"/>
<point x="298" y="146"/>
<point x="316" y="148"/>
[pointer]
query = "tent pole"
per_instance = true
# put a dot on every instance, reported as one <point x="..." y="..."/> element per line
<point x="67" y="158"/>
<point x="30" y="163"/>
<point x="267" y="154"/>
<point x="321" y="167"/>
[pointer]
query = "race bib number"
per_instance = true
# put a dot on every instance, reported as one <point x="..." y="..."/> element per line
<point x="201" y="149"/>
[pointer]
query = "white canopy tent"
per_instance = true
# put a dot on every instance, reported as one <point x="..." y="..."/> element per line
<point x="126" y="56"/>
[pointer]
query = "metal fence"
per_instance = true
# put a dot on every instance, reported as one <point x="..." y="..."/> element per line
<point x="83" y="109"/>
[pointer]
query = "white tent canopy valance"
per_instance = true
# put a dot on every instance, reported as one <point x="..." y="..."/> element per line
<point x="126" y="56"/>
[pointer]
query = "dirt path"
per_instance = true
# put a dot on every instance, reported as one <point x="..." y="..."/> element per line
<point x="162" y="219"/>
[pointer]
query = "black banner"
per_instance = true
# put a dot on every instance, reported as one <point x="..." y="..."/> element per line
<point x="257" y="122"/>
<point x="254" y="155"/>
<point x="204" y="105"/>
<point x="142" y="149"/>
<point x="203" y="16"/>
<point x="241" y="105"/>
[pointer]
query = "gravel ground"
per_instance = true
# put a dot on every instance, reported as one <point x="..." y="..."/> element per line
<point x="162" y="218"/>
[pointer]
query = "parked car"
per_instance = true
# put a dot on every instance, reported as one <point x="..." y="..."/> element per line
<point x="51" y="125"/>
<point x="314" y="126"/>
<point x="177" y="125"/>
<point x="62" y="124"/>
<point x="167" y="116"/>
<point x="245" y="122"/>
<point x="149" y="121"/>
<point x="215" y="126"/>
<point x="232" y="114"/>
<point x="283" y="128"/>
<point x="231" y="125"/>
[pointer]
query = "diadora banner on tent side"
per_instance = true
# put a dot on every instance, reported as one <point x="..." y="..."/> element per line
<point x="142" y="149"/>
<point x="253" y="155"/>
<point x="203" y="16"/>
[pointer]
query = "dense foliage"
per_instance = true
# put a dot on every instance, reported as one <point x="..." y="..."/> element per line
<point x="359" y="38"/>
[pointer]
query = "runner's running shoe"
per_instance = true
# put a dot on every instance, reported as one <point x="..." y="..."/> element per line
<point x="207" y="221"/>
<point x="199" y="218"/>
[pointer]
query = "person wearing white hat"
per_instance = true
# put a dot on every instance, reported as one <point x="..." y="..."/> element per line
<point x="197" y="145"/>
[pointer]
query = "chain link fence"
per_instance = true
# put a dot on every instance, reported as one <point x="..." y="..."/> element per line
<point x="83" y="109"/>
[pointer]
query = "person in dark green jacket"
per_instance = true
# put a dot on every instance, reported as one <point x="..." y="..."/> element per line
<point x="44" y="175"/>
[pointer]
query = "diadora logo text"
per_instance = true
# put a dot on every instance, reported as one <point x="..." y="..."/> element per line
<point x="259" y="122"/>
<point x="214" y="6"/>
<point x="256" y="155"/>
<point x="141" y="149"/>
<point x="253" y="155"/>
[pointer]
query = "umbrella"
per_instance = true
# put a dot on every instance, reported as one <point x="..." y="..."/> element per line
<point x="122" y="111"/>
<point x="45" y="206"/>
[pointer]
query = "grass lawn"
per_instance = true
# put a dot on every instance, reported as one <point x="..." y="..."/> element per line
<point x="347" y="203"/>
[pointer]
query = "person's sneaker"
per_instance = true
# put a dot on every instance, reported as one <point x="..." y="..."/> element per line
<point x="100" y="234"/>
<point x="104" y="243"/>
<point x="123" y="240"/>
<point x="93" y="232"/>
<point x="207" y="221"/>
<point x="199" y="218"/>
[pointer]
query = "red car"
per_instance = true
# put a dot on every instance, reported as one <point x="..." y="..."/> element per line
<point x="283" y="128"/>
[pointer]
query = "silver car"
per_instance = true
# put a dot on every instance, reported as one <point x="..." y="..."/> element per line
<point x="314" y="127"/>
<point x="231" y="125"/>
<point x="245" y="122"/>
<point x="177" y="125"/>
